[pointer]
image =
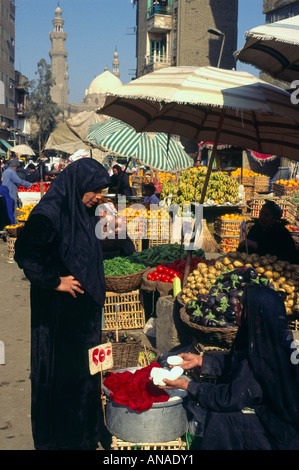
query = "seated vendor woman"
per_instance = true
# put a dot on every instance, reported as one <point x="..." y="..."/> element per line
<point x="255" y="402"/>
<point x="270" y="236"/>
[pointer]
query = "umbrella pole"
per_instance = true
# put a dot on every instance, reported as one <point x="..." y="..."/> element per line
<point x="204" y="190"/>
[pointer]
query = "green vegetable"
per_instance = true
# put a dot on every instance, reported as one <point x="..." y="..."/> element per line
<point x="164" y="253"/>
<point x="119" y="266"/>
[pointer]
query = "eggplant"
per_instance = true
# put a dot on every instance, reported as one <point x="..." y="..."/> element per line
<point x="226" y="285"/>
<point x="217" y="310"/>
<point x="211" y="301"/>
<point x="206" y="311"/>
<point x="191" y="307"/>
<point x="220" y="297"/>
<point x="230" y="315"/>
<point x="214" y="290"/>
<point x="233" y="301"/>
<point x="202" y="298"/>
<point x="251" y="275"/>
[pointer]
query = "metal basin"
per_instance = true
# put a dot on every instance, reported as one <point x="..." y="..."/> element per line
<point x="163" y="422"/>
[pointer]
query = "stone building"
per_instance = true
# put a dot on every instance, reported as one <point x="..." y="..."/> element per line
<point x="276" y="10"/>
<point x="14" y="128"/>
<point x="58" y="55"/>
<point x="176" y="32"/>
<point x="94" y="95"/>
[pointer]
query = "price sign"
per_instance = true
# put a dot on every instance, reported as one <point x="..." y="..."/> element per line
<point x="100" y="358"/>
<point x="242" y="230"/>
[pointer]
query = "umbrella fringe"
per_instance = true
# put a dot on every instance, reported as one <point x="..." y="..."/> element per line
<point x="261" y="37"/>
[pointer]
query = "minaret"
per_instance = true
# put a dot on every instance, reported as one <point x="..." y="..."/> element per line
<point x="58" y="55"/>
<point x="115" y="65"/>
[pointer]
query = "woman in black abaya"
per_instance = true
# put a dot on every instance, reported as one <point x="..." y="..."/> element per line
<point x="61" y="256"/>
<point x="255" y="405"/>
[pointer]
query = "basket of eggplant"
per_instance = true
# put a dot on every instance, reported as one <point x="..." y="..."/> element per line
<point x="212" y="316"/>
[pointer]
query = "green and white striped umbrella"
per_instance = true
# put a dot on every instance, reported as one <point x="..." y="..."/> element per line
<point x="156" y="150"/>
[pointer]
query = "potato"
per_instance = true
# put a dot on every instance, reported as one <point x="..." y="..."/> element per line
<point x="260" y="270"/>
<point x="238" y="263"/>
<point x="212" y="270"/>
<point x="230" y="267"/>
<point x="281" y="280"/>
<point x="276" y="275"/>
<point x="226" y="261"/>
<point x="268" y="274"/>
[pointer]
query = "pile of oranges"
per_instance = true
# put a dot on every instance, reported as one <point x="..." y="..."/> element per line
<point x="23" y="214"/>
<point x="288" y="183"/>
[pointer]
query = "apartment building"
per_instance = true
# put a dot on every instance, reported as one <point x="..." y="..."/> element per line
<point x="185" y="32"/>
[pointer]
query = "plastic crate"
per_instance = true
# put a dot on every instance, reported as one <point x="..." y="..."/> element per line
<point x="131" y="313"/>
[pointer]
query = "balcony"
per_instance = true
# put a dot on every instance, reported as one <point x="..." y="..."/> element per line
<point x="20" y="109"/>
<point x="156" y="61"/>
<point x="159" y="18"/>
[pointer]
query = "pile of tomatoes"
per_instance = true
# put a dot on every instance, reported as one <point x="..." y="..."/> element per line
<point x="162" y="273"/>
<point x="35" y="188"/>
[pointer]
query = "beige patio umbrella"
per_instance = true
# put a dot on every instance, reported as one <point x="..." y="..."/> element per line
<point x="196" y="102"/>
<point x="210" y="104"/>
<point x="22" y="149"/>
<point x="273" y="48"/>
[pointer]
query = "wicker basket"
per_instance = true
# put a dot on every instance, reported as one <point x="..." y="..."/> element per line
<point x="14" y="231"/>
<point x="121" y="284"/>
<point x="125" y="354"/>
<point x="11" y="247"/>
<point x="218" y="337"/>
<point x="130" y="314"/>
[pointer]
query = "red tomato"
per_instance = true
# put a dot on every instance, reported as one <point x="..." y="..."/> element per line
<point x="176" y="274"/>
<point x="158" y="276"/>
<point x="163" y="278"/>
<point x="160" y="269"/>
<point x="170" y="280"/>
<point x="171" y="272"/>
<point x="150" y="276"/>
<point x="166" y="270"/>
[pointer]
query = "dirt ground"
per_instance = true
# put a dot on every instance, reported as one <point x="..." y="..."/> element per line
<point x="15" y="422"/>
<point x="15" y="389"/>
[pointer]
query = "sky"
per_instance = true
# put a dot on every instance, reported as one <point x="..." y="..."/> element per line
<point x="95" y="29"/>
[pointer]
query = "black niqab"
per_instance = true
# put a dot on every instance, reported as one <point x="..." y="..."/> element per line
<point x="79" y="248"/>
<point x="269" y="355"/>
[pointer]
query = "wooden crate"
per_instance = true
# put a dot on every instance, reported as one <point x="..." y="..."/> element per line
<point x="118" y="444"/>
<point x="131" y="313"/>
<point x="11" y="247"/>
<point x="228" y="227"/>
<point x="158" y="241"/>
<point x="281" y="190"/>
<point x="227" y="243"/>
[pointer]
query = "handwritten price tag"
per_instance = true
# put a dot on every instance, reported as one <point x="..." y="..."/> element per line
<point x="100" y="358"/>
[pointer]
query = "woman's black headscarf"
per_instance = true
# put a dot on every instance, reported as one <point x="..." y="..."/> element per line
<point x="79" y="248"/>
<point x="270" y="359"/>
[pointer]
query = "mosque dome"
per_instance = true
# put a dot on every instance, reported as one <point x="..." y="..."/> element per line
<point x="103" y="83"/>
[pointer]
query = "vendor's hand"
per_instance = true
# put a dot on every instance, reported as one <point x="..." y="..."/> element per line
<point x="71" y="285"/>
<point x="190" y="361"/>
<point x="175" y="384"/>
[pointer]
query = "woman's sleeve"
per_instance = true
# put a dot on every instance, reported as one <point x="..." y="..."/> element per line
<point x="242" y="391"/>
<point x="34" y="252"/>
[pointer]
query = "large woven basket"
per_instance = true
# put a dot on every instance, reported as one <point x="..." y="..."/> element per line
<point x="126" y="283"/>
<point x="208" y="336"/>
<point x="125" y="354"/>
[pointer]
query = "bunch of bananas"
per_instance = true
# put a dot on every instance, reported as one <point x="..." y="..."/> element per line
<point x="221" y="188"/>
